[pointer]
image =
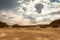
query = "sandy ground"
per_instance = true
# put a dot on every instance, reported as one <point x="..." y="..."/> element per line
<point x="30" y="34"/>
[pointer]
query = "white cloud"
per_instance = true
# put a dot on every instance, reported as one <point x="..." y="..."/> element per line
<point x="18" y="16"/>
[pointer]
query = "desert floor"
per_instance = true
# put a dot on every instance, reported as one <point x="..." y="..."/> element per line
<point x="30" y="34"/>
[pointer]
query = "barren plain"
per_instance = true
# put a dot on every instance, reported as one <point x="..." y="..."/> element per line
<point x="30" y="34"/>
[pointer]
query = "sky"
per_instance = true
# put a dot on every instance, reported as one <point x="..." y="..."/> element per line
<point x="27" y="12"/>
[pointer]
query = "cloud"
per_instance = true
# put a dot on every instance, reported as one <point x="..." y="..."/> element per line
<point x="8" y="4"/>
<point x="39" y="7"/>
<point x="19" y="12"/>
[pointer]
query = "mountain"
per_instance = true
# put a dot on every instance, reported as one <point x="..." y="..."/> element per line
<point x="55" y="23"/>
<point x="15" y="26"/>
<point x="3" y="25"/>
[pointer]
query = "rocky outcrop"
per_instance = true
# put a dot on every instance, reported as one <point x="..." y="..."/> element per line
<point x="23" y="26"/>
<point x="3" y="25"/>
<point x="15" y="26"/>
<point x="55" y="23"/>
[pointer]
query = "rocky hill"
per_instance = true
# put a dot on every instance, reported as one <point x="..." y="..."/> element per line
<point x="3" y="25"/>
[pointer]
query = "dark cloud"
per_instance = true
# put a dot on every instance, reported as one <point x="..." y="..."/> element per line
<point x="54" y="1"/>
<point x="39" y="7"/>
<point x="27" y="0"/>
<point x="24" y="9"/>
<point x="8" y="4"/>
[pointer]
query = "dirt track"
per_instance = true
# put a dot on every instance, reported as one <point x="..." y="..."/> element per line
<point x="25" y="34"/>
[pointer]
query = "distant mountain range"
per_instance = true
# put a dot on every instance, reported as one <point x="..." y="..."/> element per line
<point x="55" y="23"/>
